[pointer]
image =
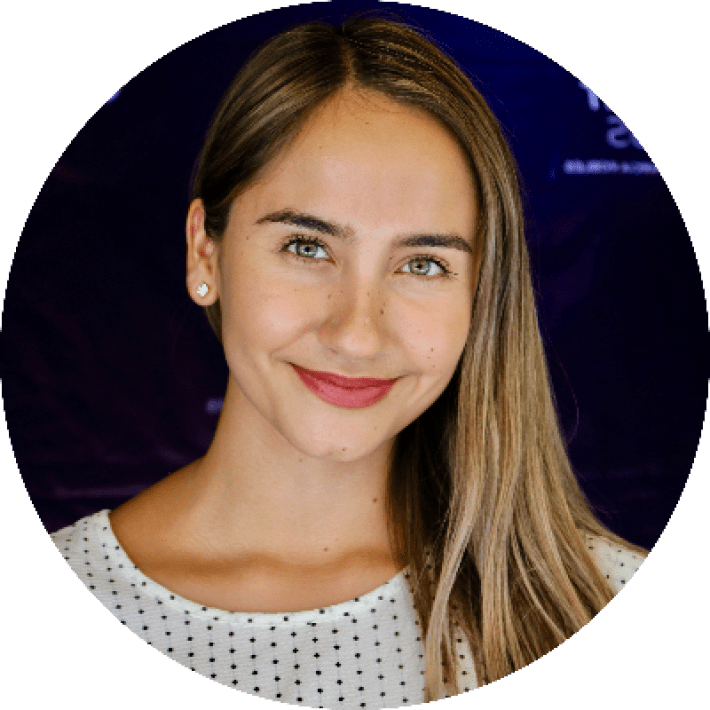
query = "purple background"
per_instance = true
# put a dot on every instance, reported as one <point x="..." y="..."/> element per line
<point x="112" y="378"/>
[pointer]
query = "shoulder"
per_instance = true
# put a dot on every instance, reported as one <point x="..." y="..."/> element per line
<point x="82" y="537"/>
<point x="616" y="562"/>
<point x="98" y="560"/>
<point x="87" y="545"/>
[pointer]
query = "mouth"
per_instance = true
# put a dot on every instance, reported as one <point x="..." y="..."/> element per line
<point x="348" y="392"/>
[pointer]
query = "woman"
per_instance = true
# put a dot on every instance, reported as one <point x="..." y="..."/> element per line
<point x="386" y="513"/>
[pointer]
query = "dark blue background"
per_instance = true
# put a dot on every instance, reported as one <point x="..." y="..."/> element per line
<point x="112" y="378"/>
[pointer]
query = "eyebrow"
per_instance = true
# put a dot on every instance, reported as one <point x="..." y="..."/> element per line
<point x="331" y="229"/>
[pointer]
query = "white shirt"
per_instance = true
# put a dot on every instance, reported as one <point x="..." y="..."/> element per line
<point x="364" y="653"/>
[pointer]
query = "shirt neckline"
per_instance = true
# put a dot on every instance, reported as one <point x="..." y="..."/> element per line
<point x="389" y="591"/>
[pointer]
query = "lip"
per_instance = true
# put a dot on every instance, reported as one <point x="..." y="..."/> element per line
<point x="348" y="392"/>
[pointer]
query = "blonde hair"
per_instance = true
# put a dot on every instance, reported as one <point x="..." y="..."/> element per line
<point x="484" y="507"/>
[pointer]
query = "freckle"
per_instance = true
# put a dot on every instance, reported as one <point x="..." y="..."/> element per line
<point x="345" y="448"/>
<point x="374" y="500"/>
<point x="382" y="311"/>
<point x="432" y="350"/>
<point x="325" y="549"/>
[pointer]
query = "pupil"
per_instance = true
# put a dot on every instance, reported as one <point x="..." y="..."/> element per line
<point x="421" y="266"/>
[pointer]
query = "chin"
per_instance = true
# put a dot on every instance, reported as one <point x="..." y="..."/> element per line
<point x="329" y="444"/>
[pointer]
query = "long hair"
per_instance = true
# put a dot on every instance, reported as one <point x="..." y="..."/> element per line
<point x="484" y="508"/>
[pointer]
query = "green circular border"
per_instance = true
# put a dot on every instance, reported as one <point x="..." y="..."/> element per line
<point x="62" y="60"/>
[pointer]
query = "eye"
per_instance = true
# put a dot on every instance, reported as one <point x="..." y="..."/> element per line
<point x="306" y="249"/>
<point x="425" y="266"/>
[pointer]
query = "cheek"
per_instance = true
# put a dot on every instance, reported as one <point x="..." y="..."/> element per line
<point x="259" y="312"/>
<point x="436" y="340"/>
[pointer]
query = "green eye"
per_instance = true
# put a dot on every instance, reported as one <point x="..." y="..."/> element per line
<point x="424" y="267"/>
<point x="306" y="249"/>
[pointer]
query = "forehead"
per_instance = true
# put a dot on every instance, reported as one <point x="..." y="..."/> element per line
<point x="372" y="160"/>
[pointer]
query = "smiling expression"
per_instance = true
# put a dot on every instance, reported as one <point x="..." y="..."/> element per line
<point x="351" y="256"/>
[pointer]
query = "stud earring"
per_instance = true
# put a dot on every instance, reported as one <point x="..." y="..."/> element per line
<point x="203" y="289"/>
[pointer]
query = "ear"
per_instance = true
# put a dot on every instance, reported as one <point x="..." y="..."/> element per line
<point x="202" y="257"/>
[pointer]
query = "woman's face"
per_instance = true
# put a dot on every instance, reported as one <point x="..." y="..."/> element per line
<point x="351" y="256"/>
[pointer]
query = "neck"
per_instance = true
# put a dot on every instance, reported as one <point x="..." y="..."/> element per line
<point x="253" y="493"/>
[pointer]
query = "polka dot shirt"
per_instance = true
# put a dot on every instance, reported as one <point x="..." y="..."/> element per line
<point x="365" y="653"/>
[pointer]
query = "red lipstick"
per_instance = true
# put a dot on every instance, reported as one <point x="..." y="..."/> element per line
<point x="349" y="392"/>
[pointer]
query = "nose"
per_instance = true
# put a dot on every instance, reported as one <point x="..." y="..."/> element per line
<point x="354" y="328"/>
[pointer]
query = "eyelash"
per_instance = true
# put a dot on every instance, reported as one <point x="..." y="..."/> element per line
<point x="298" y="241"/>
<point x="445" y="271"/>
